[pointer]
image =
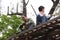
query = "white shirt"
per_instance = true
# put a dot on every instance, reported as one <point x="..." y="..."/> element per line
<point x="45" y="15"/>
<point x="40" y="14"/>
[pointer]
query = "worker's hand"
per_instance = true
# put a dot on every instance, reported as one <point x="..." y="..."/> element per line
<point x="53" y="14"/>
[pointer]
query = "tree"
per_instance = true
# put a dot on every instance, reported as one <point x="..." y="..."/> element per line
<point x="55" y="3"/>
<point x="9" y="25"/>
<point x="24" y="7"/>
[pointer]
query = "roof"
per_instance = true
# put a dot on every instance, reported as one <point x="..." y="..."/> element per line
<point x="38" y="32"/>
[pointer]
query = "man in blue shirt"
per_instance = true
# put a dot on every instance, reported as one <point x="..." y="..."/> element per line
<point x="41" y="17"/>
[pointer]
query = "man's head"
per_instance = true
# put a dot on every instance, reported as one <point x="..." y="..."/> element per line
<point x="24" y="18"/>
<point x="41" y="9"/>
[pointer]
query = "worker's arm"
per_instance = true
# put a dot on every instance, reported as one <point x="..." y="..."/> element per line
<point x="49" y="17"/>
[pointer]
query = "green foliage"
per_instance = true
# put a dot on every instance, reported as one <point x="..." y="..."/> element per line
<point x="9" y="25"/>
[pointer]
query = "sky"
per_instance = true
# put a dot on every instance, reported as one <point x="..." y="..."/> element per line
<point x="30" y="13"/>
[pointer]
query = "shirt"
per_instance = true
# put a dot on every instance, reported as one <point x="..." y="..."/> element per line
<point x="41" y="18"/>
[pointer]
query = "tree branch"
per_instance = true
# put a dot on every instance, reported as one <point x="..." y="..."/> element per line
<point x="27" y="2"/>
<point x="16" y="14"/>
<point x="54" y="6"/>
<point x="34" y="10"/>
<point x="53" y="1"/>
